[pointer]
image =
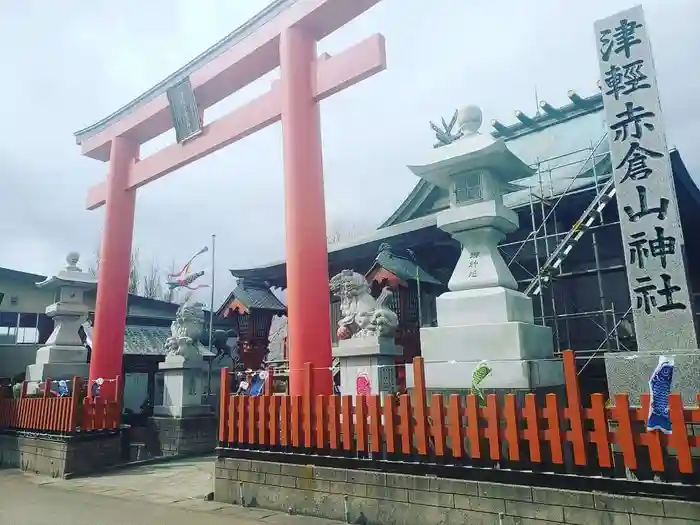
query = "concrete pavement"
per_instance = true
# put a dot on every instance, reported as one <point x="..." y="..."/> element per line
<point x="170" y="493"/>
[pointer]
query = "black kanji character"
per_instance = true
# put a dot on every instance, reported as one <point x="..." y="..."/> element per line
<point x="644" y="297"/>
<point x="642" y="248"/>
<point x="632" y="116"/>
<point x="667" y="293"/>
<point x="662" y="245"/>
<point x="636" y="160"/>
<point x="621" y="40"/>
<point x="644" y="209"/>
<point x="639" y="251"/>
<point x="625" y="79"/>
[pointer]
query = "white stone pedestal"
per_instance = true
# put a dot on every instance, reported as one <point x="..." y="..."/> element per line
<point x="484" y="317"/>
<point x="370" y="358"/>
<point x="183" y="386"/>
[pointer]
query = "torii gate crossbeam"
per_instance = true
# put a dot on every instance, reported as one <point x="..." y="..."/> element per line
<point x="289" y="41"/>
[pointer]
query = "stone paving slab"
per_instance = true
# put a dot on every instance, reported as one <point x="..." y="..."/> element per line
<point x="181" y="484"/>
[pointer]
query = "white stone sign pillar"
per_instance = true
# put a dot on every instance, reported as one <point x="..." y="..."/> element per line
<point x="646" y="201"/>
<point x="64" y="356"/>
<point x="483" y="316"/>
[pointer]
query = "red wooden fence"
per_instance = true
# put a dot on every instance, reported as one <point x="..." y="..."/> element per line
<point x="70" y="414"/>
<point x="460" y="428"/>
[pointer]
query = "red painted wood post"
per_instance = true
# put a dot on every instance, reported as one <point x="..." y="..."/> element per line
<point x="574" y="408"/>
<point x="75" y="405"/>
<point x="532" y="432"/>
<point x="421" y="406"/>
<point x="652" y="440"/>
<point x="624" y="437"/>
<point x="679" y="434"/>
<point x="224" y="395"/>
<point x="307" y="405"/>
<point x="510" y="413"/>
<point x="599" y="434"/>
<point x="44" y="415"/>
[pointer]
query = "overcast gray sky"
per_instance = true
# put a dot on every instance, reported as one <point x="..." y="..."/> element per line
<point x="69" y="63"/>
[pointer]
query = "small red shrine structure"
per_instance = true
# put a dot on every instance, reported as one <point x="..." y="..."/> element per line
<point x="413" y="301"/>
<point x="252" y="306"/>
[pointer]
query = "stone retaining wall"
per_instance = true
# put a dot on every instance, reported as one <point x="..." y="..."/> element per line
<point x="59" y="456"/>
<point x="377" y="498"/>
<point x="185" y="436"/>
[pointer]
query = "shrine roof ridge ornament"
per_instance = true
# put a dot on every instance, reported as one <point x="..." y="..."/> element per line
<point x="547" y="116"/>
<point x="272" y="10"/>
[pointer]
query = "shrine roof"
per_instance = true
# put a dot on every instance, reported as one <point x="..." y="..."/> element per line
<point x="560" y="153"/>
<point x="272" y="10"/>
<point x="408" y="234"/>
<point x="403" y="267"/>
<point x="21" y="277"/>
<point x="255" y="295"/>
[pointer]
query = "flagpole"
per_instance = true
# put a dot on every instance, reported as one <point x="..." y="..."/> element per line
<point x="211" y="311"/>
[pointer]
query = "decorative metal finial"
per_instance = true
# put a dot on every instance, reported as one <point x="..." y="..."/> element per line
<point x="445" y="135"/>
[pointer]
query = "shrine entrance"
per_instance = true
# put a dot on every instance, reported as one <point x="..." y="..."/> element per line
<point x="284" y="34"/>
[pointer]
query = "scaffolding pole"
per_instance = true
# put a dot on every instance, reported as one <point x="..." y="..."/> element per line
<point x="541" y="231"/>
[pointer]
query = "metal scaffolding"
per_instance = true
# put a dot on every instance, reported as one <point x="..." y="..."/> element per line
<point x="551" y="245"/>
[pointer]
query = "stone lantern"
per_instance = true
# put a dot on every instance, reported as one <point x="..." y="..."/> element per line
<point x="483" y="316"/>
<point x="64" y="355"/>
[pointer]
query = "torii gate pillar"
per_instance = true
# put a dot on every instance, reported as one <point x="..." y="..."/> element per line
<point x="305" y="216"/>
<point x="287" y="40"/>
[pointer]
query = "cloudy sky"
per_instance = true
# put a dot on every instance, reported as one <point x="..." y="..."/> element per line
<point x="69" y="63"/>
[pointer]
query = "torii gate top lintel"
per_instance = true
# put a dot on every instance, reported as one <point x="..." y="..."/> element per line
<point x="254" y="53"/>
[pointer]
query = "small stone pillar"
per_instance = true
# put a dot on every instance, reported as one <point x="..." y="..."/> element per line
<point x="366" y="337"/>
<point x="367" y="365"/>
<point x="64" y="355"/>
<point x="483" y="316"/>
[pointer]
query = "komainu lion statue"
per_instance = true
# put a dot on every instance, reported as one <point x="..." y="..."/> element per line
<point x="186" y="331"/>
<point x="362" y="314"/>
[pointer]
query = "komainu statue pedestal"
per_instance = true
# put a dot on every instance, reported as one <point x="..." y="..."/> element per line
<point x="186" y="425"/>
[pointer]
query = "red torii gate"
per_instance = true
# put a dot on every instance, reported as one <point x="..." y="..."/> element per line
<point x="289" y="41"/>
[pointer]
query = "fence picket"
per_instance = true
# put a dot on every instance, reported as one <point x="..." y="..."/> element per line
<point x="437" y="423"/>
<point x="263" y="413"/>
<point x="510" y="414"/>
<point x="532" y="431"/>
<point x="472" y="411"/>
<point x="390" y="423"/>
<point x="320" y="422"/>
<point x="553" y="434"/>
<point x="361" y="423"/>
<point x="679" y="434"/>
<point x="652" y="440"/>
<point x="348" y="428"/>
<point x="599" y="434"/>
<point x="334" y="422"/>
<point x="623" y="433"/>
<point x="406" y="417"/>
<point x="224" y="404"/>
<point x="455" y="430"/>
